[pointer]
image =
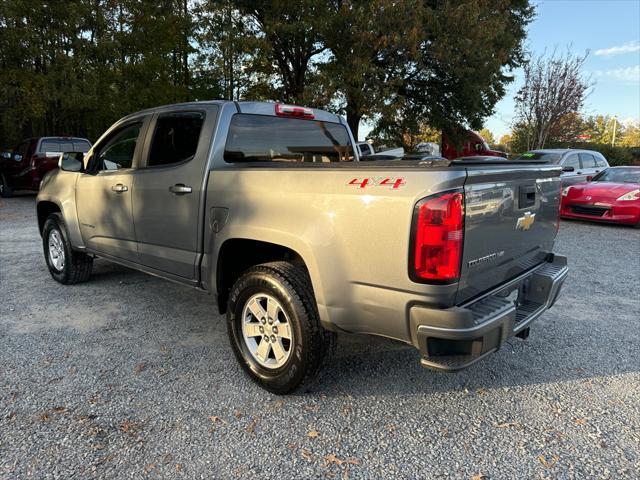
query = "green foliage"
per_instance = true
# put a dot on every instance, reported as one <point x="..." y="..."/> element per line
<point x="75" y="67"/>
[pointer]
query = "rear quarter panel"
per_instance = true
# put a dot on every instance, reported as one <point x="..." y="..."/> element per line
<point x="354" y="241"/>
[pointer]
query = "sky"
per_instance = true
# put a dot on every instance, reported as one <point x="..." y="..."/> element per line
<point x="610" y="31"/>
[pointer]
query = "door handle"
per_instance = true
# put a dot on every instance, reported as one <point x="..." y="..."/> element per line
<point x="579" y="173"/>
<point x="180" y="189"/>
<point x="119" y="188"/>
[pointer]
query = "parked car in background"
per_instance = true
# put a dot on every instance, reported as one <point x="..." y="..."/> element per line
<point x="612" y="196"/>
<point x="577" y="165"/>
<point x="367" y="152"/>
<point x="470" y="145"/>
<point x="24" y="167"/>
<point x="473" y="145"/>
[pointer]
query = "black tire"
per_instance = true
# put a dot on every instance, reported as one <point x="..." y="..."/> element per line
<point x="311" y="347"/>
<point x="5" y="189"/>
<point x="77" y="265"/>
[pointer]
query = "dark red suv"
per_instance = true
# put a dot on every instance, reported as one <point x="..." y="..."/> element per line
<point x="24" y="167"/>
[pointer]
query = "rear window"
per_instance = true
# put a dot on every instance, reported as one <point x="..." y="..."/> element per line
<point x="64" y="145"/>
<point x="587" y="160"/>
<point x="546" y="157"/>
<point x="50" y="146"/>
<point x="81" y="145"/>
<point x="260" y="138"/>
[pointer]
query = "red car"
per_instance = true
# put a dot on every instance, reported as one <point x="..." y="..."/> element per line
<point x="611" y="196"/>
<point x="24" y="167"/>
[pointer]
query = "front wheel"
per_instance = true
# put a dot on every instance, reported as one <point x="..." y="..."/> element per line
<point x="274" y="327"/>
<point x="65" y="265"/>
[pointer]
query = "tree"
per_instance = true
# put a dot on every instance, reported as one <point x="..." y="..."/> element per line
<point x="370" y="43"/>
<point x="553" y="89"/>
<point x="293" y="38"/>
<point x="466" y="53"/>
<point x="630" y="137"/>
<point x="486" y="134"/>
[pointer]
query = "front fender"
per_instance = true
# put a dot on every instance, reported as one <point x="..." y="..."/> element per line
<point x="59" y="187"/>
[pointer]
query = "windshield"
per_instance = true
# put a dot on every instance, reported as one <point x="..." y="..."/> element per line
<point x="545" y="156"/>
<point x="619" y="175"/>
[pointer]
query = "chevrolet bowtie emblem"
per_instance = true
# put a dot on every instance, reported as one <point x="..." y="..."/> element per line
<point x="525" y="222"/>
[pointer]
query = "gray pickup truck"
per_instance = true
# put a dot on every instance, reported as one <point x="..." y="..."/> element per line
<point x="267" y="207"/>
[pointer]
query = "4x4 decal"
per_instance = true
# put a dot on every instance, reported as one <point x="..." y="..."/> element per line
<point x="388" y="182"/>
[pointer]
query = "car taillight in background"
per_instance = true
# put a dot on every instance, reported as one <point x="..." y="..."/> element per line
<point x="293" y="111"/>
<point x="437" y="238"/>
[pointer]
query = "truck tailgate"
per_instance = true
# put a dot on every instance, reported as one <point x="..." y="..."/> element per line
<point x="511" y="215"/>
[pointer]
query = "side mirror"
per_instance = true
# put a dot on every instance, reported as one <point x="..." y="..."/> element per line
<point x="568" y="169"/>
<point x="589" y="178"/>
<point x="71" y="161"/>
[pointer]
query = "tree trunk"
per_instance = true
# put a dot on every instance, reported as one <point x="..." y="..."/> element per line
<point x="353" y="120"/>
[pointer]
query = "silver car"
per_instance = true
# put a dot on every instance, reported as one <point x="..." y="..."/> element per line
<point x="577" y="165"/>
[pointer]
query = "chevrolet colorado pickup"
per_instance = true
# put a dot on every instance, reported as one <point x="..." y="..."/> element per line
<point x="267" y="207"/>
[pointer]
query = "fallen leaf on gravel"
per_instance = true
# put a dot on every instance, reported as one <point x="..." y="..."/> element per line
<point x="580" y="421"/>
<point x="128" y="426"/>
<point x="178" y="467"/>
<point x="391" y="427"/>
<point x="141" y="367"/>
<point x="508" y="425"/>
<point x="481" y="391"/>
<point x="313" y="434"/>
<point x="104" y="459"/>
<point x="291" y="446"/>
<point x="277" y="405"/>
<point x="59" y="409"/>
<point x="216" y="419"/>
<point x="237" y="413"/>
<point x="11" y="417"/>
<point x="252" y="426"/>
<point x="548" y="463"/>
<point x="311" y="408"/>
<point x="97" y="446"/>
<point x="332" y="459"/>
<point x="478" y="476"/>
<point x="149" y="467"/>
<point x="306" y="454"/>
<point x="44" y="416"/>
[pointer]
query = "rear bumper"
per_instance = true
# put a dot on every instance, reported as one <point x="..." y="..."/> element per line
<point x="455" y="338"/>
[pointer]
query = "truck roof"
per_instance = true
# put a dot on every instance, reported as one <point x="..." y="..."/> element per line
<point x="255" y="108"/>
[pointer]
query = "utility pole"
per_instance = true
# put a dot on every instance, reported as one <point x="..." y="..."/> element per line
<point x="615" y="124"/>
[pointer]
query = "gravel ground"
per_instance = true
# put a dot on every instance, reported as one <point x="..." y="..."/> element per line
<point x="128" y="375"/>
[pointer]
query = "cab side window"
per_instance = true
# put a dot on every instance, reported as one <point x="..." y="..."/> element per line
<point x="572" y="161"/>
<point x="587" y="160"/>
<point x="119" y="149"/>
<point x="175" y="139"/>
<point x="600" y="162"/>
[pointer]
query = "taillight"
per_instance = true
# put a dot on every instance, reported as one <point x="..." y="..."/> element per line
<point x="438" y="233"/>
<point x="293" y="111"/>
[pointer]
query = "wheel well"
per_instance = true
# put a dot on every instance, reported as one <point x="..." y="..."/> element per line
<point x="44" y="210"/>
<point x="237" y="255"/>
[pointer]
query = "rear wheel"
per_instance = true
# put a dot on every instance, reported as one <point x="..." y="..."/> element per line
<point x="65" y="265"/>
<point x="5" y="189"/>
<point x="274" y="327"/>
